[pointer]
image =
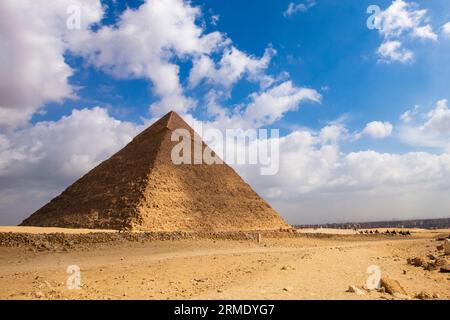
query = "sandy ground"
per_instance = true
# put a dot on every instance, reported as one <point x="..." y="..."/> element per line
<point x="288" y="268"/>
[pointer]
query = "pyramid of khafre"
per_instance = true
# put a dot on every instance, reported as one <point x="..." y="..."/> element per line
<point x="140" y="188"/>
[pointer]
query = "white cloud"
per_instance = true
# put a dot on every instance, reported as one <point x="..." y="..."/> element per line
<point x="402" y="19"/>
<point x="269" y="106"/>
<point x="263" y="108"/>
<point x="333" y="133"/>
<point x="294" y="8"/>
<point x="438" y="119"/>
<point x="62" y="147"/>
<point x="446" y="28"/>
<point x="213" y="106"/>
<point x="392" y="51"/>
<point x="378" y="129"/>
<point x="425" y="32"/>
<point x="430" y="129"/>
<point x="145" y="42"/>
<point x="329" y="170"/>
<point x="233" y="65"/>
<point x="33" y="38"/>
<point x="409" y="115"/>
<point x="317" y="182"/>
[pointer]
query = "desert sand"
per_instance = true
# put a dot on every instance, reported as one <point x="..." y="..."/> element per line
<point x="307" y="266"/>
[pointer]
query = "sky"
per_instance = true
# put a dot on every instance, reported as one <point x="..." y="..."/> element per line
<point x="358" y="89"/>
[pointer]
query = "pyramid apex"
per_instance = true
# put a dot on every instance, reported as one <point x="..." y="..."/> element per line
<point x="170" y="121"/>
<point x="173" y="120"/>
<point x="171" y="115"/>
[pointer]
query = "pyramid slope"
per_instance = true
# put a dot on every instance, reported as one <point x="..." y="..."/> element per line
<point x="139" y="188"/>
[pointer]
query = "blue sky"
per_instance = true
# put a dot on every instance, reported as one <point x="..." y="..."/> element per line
<point x="328" y="47"/>
<point x="360" y="81"/>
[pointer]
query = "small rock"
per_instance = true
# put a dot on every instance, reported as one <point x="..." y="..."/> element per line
<point x="287" y="268"/>
<point x="417" y="262"/>
<point x="287" y="289"/>
<point x="392" y="286"/>
<point x="355" y="289"/>
<point x="436" y="296"/>
<point x="424" y="296"/>
<point x="38" y="294"/>
<point x="219" y="290"/>
<point x="430" y="266"/>
<point x="447" y="246"/>
<point x="404" y="271"/>
<point x="440" y="247"/>
<point x="381" y="290"/>
<point x="440" y="262"/>
<point x="445" y="269"/>
<point x="401" y="296"/>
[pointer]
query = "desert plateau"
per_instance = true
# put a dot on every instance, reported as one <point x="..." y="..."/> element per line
<point x="305" y="264"/>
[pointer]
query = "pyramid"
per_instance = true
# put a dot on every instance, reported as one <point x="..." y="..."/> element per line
<point x="139" y="188"/>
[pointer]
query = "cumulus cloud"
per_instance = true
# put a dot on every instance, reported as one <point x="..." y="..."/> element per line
<point x="398" y="20"/>
<point x="409" y="115"/>
<point x="402" y="17"/>
<point x="427" y="129"/>
<point x="158" y="34"/>
<point x="425" y="32"/>
<point x="263" y="108"/>
<point x="233" y="65"/>
<point x="391" y="51"/>
<point x="155" y="33"/>
<point x="446" y="28"/>
<point x="333" y="133"/>
<point x="377" y="130"/>
<point x="269" y="106"/>
<point x="294" y="8"/>
<point x="33" y="39"/>
<point x="317" y="182"/>
<point x="38" y="162"/>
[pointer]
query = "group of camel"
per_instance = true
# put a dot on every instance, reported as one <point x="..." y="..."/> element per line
<point x="393" y="232"/>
